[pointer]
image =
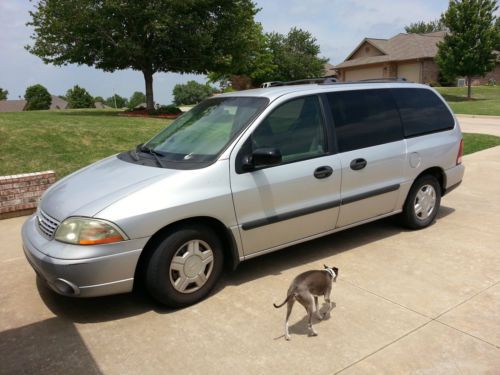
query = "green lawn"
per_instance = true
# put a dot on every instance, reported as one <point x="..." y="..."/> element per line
<point x="485" y="100"/>
<point x="476" y="142"/>
<point x="65" y="141"/>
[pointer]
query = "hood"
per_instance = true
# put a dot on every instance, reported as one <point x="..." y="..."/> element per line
<point x="91" y="189"/>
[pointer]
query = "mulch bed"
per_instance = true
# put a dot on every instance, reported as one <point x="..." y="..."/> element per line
<point x="146" y="114"/>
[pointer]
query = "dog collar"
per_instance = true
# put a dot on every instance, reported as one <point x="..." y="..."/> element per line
<point x="331" y="272"/>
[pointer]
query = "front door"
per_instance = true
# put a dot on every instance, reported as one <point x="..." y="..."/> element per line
<point x="297" y="198"/>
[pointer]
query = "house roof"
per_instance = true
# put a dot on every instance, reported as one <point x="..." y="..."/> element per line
<point x="398" y="48"/>
<point x="58" y="103"/>
<point x="12" y="105"/>
<point x="329" y="70"/>
<point x="18" y="105"/>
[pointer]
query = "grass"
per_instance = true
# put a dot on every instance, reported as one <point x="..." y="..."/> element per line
<point x="485" y="100"/>
<point x="65" y="141"/>
<point x="476" y="142"/>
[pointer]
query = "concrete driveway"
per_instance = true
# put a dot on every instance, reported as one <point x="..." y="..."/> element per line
<point x="480" y="124"/>
<point x="423" y="302"/>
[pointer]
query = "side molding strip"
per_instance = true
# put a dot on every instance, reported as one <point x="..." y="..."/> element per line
<point x="320" y="207"/>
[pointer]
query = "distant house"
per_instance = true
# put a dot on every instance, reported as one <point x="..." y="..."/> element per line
<point x="409" y="56"/>
<point x="329" y="70"/>
<point x="19" y="105"/>
<point x="101" y="105"/>
<point x="12" y="105"/>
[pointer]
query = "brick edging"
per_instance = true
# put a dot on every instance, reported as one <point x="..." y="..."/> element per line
<point x="19" y="194"/>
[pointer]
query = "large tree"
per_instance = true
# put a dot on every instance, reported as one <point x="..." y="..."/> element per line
<point x="422" y="27"/>
<point x="136" y="99"/>
<point x="185" y="36"/>
<point x="78" y="97"/>
<point x="37" y="98"/>
<point x="467" y="50"/>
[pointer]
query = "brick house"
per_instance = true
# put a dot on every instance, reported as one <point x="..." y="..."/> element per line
<point x="409" y="56"/>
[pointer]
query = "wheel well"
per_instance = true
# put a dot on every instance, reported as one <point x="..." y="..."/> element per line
<point x="438" y="173"/>
<point x="229" y="246"/>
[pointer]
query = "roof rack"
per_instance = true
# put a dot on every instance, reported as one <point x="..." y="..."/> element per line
<point x="331" y="81"/>
<point x="380" y="80"/>
<point x="321" y="81"/>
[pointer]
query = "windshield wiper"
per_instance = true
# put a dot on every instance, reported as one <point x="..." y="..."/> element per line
<point x="155" y="154"/>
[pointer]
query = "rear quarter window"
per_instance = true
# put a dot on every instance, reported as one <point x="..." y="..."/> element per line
<point x="422" y="112"/>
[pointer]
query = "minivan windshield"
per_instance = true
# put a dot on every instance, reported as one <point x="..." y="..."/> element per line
<point x="202" y="133"/>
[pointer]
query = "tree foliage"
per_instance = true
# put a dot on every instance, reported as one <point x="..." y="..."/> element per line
<point x="116" y="101"/>
<point x="136" y="99"/>
<point x="191" y="93"/>
<point x="467" y="50"/>
<point x="37" y="98"/>
<point x="148" y="36"/>
<point x="78" y="97"/>
<point x="280" y="57"/>
<point x="422" y="27"/>
<point x="3" y="94"/>
<point x="99" y="99"/>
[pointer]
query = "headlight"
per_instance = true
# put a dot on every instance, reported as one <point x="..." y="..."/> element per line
<point x="88" y="231"/>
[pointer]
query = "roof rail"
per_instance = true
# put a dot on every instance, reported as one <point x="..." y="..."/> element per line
<point x="380" y="80"/>
<point x="321" y="81"/>
<point x="331" y="81"/>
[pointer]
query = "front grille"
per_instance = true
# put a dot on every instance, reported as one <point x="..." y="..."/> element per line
<point x="47" y="224"/>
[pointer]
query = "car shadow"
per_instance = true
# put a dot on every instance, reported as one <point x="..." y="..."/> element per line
<point x="100" y="309"/>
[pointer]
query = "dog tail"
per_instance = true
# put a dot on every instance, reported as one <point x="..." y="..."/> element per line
<point x="285" y="301"/>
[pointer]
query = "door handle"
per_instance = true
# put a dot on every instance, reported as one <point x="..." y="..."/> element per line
<point x="358" y="164"/>
<point x="323" y="172"/>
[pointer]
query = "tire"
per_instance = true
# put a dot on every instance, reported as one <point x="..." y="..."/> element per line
<point x="422" y="203"/>
<point x="185" y="266"/>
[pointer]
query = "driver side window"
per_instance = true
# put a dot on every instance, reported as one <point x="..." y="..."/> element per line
<point x="295" y="128"/>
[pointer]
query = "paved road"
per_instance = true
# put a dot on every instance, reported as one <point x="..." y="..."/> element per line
<point x="423" y="302"/>
<point x="480" y="124"/>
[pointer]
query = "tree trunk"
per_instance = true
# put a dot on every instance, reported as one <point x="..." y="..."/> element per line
<point x="148" y="78"/>
<point x="469" y="83"/>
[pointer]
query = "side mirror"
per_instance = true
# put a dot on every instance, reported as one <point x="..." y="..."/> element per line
<point x="262" y="157"/>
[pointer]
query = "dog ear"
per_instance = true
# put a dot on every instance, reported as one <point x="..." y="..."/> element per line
<point x="324" y="265"/>
<point x="336" y="270"/>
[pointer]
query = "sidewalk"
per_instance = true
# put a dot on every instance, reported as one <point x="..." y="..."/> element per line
<point x="407" y="302"/>
<point x="480" y="124"/>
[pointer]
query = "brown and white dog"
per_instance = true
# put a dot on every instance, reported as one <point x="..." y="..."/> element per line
<point x="306" y="288"/>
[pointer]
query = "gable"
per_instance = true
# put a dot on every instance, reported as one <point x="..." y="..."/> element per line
<point x="365" y="49"/>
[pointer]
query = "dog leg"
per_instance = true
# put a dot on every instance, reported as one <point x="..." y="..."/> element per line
<point x="310" y="312"/>
<point x="289" y="306"/>
<point x="316" y="308"/>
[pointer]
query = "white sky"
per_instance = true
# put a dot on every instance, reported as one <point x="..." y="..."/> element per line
<point x="338" y="25"/>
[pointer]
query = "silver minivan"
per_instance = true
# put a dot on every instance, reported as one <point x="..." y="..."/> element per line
<point x="241" y="175"/>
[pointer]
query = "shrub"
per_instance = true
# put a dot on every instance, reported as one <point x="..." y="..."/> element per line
<point x="38" y="98"/>
<point x="166" y="110"/>
<point x="191" y="93"/>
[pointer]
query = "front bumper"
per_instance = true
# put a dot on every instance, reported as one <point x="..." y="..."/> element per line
<point x="110" y="273"/>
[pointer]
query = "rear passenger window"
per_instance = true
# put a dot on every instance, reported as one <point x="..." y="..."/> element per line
<point x="422" y="112"/>
<point x="365" y="118"/>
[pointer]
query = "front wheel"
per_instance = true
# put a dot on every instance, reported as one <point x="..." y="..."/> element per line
<point x="185" y="266"/>
<point x="422" y="203"/>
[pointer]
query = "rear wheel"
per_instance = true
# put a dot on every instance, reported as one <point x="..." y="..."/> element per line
<point x="422" y="203"/>
<point x="185" y="266"/>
